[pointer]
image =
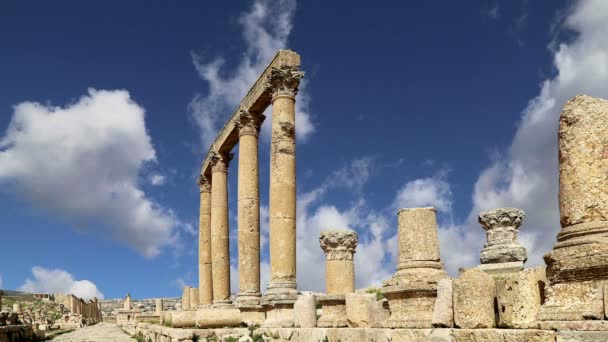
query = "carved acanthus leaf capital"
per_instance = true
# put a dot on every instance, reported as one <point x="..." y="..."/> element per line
<point x="248" y="123"/>
<point x="501" y="218"/>
<point x="204" y="183"/>
<point x="339" y="244"/>
<point x="284" y="81"/>
<point x="220" y="161"/>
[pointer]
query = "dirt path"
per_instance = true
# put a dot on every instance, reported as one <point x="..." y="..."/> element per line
<point x="98" y="332"/>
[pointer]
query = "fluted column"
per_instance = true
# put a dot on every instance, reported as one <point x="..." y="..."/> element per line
<point x="249" y="209"/>
<point x="220" y="246"/>
<point x="283" y="84"/>
<point x="205" y="280"/>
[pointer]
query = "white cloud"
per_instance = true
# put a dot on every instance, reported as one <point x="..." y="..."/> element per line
<point x="526" y="176"/>
<point x="59" y="281"/>
<point x="156" y="179"/>
<point x="426" y="192"/>
<point x="266" y="28"/>
<point x="82" y="162"/>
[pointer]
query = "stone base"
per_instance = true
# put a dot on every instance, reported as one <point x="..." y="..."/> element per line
<point x="574" y="325"/>
<point x="502" y="268"/>
<point x="217" y="318"/>
<point x="411" y="304"/>
<point x="333" y="311"/>
<point x="252" y="314"/>
<point x="576" y="301"/>
<point x="279" y="309"/>
<point x="503" y="253"/>
<point x="219" y="304"/>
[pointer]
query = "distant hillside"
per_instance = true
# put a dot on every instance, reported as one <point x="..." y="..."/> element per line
<point x="13" y="293"/>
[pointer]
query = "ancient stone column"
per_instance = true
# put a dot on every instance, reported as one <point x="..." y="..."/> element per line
<point x="17" y="308"/>
<point x="249" y="209"/>
<point x="186" y="298"/>
<point x="502" y="253"/>
<point x="579" y="261"/>
<point x="159" y="305"/>
<point x="339" y="247"/>
<point x="220" y="247"/>
<point x="205" y="277"/>
<point x="193" y="298"/>
<point x="413" y="289"/>
<point x="283" y="85"/>
<point x="127" y="302"/>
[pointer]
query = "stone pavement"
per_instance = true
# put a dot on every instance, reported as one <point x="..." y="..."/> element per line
<point x="106" y="332"/>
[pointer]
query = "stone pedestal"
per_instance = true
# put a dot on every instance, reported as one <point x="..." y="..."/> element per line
<point x="474" y="292"/>
<point x="281" y="292"/>
<point x="205" y="275"/>
<point x="339" y="247"/>
<point x="194" y="298"/>
<point x="220" y="234"/>
<point x="502" y="253"/>
<point x="412" y="291"/>
<point x="186" y="298"/>
<point x="579" y="261"/>
<point x="248" y="299"/>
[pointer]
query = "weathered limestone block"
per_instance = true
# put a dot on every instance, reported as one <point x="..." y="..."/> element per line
<point x="502" y="247"/>
<point x="443" y="312"/>
<point x="279" y="313"/>
<point x="186" y="298"/>
<point x="218" y="317"/>
<point x="334" y="311"/>
<point x="183" y="319"/>
<point x="412" y="291"/>
<point x="17" y="308"/>
<point x="474" y="294"/>
<point x="364" y="311"/>
<point x="582" y="336"/>
<point x="421" y="335"/>
<point x="573" y="301"/>
<point x="194" y="297"/>
<point x="305" y="311"/>
<point x="519" y="297"/>
<point x="506" y="335"/>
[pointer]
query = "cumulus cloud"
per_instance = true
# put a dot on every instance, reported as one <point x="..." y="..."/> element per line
<point x="82" y="162"/>
<point x="156" y="179"/>
<point x="59" y="281"/>
<point x="426" y="192"/>
<point x="526" y="175"/>
<point x="266" y="28"/>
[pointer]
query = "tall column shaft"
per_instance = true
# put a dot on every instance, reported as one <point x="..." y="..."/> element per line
<point x="339" y="247"/>
<point x="249" y="209"/>
<point x="205" y="275"/>
<point x="220" y="247"/>
<point x="284" y="83"/>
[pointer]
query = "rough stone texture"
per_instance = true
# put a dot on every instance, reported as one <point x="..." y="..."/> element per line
<point x="183" y="319"/>
<point x="582" y="336"/>
<point x="501" y="267"/>
<point x="333" y="314"/>
<point x="305" y="311"/>
<point x="249" y="209"/>
<point x="186" y="298"/>
<point x="412" y="290"/>
<point x="339" y="247"/>
<point x="218" y="318"/>
<point x="519" y="297"/>
<point x="573" y="301"/>
<point x="501" y="227"/>
<point x="194" y="297"/>
<point x="506" y="335"/>
<point x="283" y="85"/>
<point x="159" y="305"/>
<point x="205" y="276"/>
<point x="474" y="294"/>
<point x="126" y="304"/>
<point x="364" y="311"/>
<point x="100" y="332"/>
<point x="220" y="246"/>
<point x="280" y="315"/>
<point x="443" y="312"/>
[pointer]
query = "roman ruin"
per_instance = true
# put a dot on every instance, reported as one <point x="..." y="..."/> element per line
<point x="496" y="300"/>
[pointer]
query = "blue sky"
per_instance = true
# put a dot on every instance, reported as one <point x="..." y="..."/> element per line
<point x="106" y="112"/>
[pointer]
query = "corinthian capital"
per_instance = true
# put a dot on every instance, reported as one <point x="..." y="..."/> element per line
<point x="501" y="218"/>
<point x="204" y="183"/>
<point x="248" y="123"/>
<point x="220" y="161"/>
<point x="284" y="81"/>
<point x="338" y="244"/>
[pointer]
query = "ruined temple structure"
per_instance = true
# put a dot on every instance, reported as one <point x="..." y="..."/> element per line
<point x="497" y="300"/>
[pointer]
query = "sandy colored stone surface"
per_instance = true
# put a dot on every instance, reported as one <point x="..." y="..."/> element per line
<point x="502" y="335"/>
<point x="218" y="318"/>
<point x="283" y="84"/>
<point x="582" y="336"/>
<point x="583" y="165"/>
<point x="186" y="298"/>
<point x="339" y="247"/>
<point x="518" y="296"/>
<point x="364" y="311"/>
<point x="183" y="319"/>
<point x="443" y="312"/>
<point x="474" y="292"/>
<point x="194" y="297"/>
<point x="333" y="311"/>
<point x="305" y="311"/>
<point x="573" y="301"/>
<point x="101" y="332"/>
<point x="220" y="247"/>
<point x="205" y="277"/>
<point x="501" y="227"/>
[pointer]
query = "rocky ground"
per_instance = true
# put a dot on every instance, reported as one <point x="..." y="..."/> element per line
<point x="106" y="332"/>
